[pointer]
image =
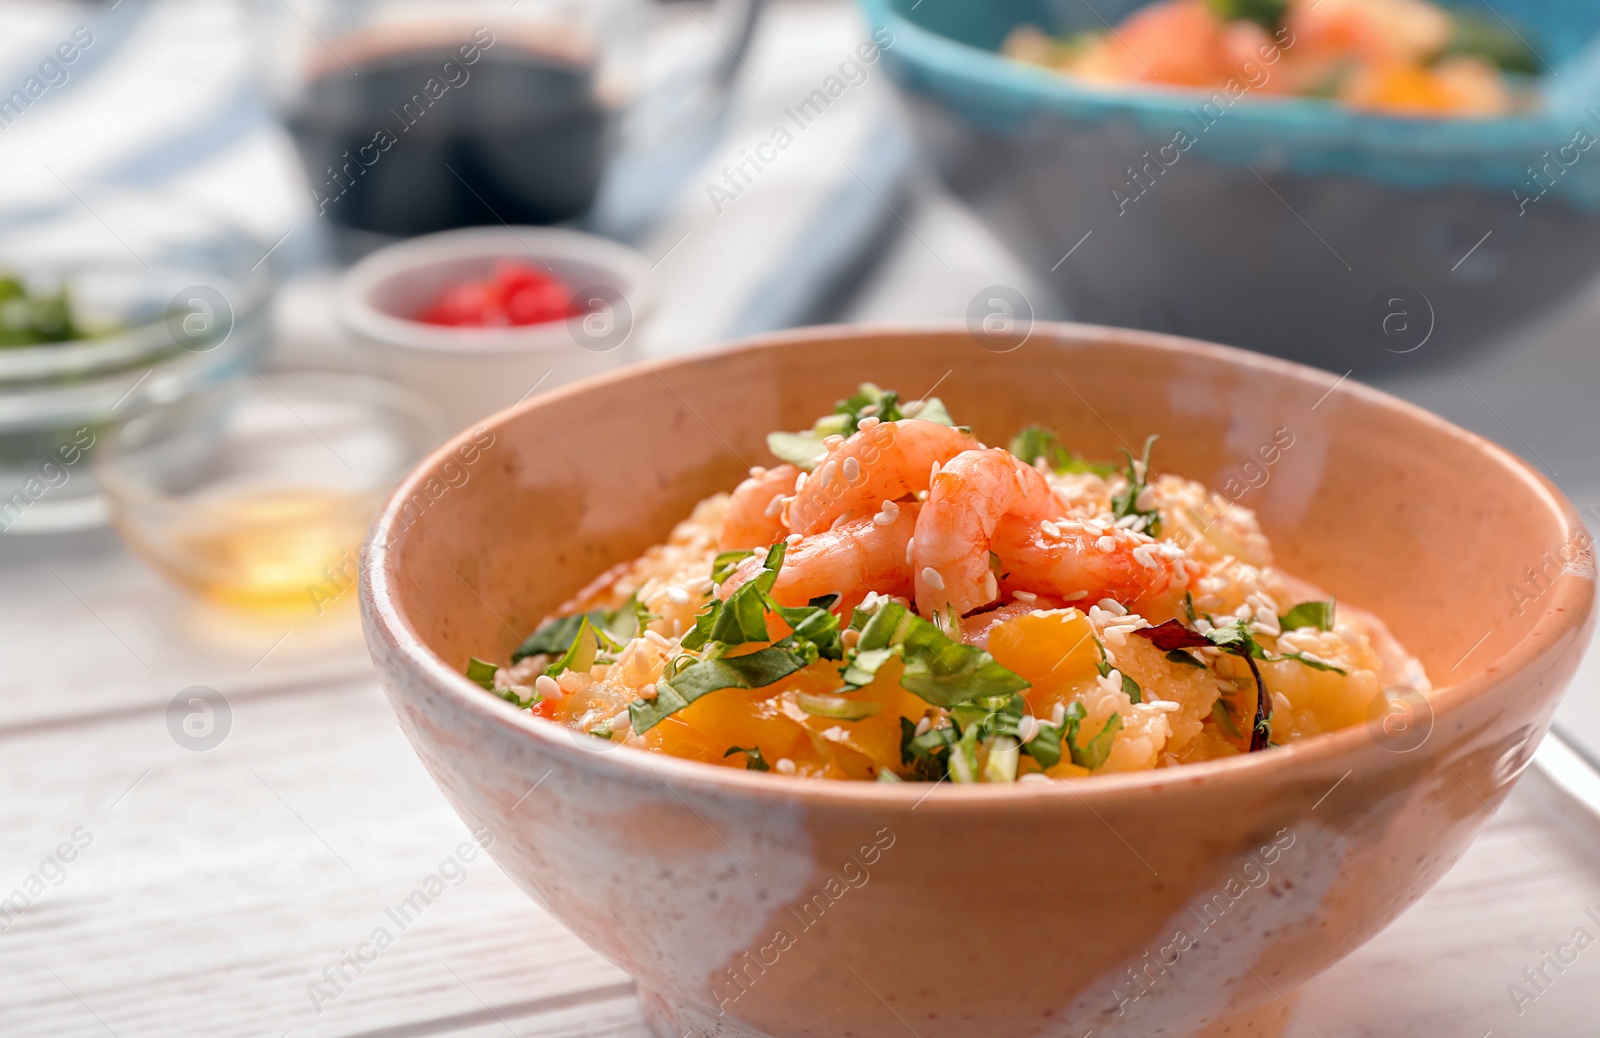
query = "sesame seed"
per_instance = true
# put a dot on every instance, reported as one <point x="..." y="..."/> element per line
<point x="775" y="506"/>
<point x="852" y="470"/>
<point x="1022" y="484"/>
<point x="910" y="547"/>
<point x="1034" y="776"/>
<point x="677" y="594"/>
<point x="924" y="726"/>
<point x="657" y="639"/>
<point x="1075" y="596"/>
<point x="1027" y="728"/>
<point x="1050" y="529"/>
<point x="757" y="471"/>
<point x="1058" y="713"/>
<point x="793" y="539"/>
<point x="1166" y="706"/>
<point x="1146" y="501"/>
<point x="931" y="577"/>
<point x="1141" y="555"/>
<point x="932" y="473"/>
<point x="884" y="519"/>
<point x="870" y="409"/>
<point x="547" y="687"/>
<point x="825" y="473"/>
<point x="1024" y="596"/>
<point x="1066" y="525"/>
<point x="1126" y="522"/>
<point x="784" y="766"/>
<point x="648" y="691"/>
<point x="866" y="423"/>
<point x="1113" y="607"/>
<point x="991" y="587"/>
<point x="833" y="441"/>
<point x="1107" y="544"/>
<point x="799" y="482"/>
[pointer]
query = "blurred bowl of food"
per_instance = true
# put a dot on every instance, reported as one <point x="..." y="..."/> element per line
<point x="1355" y="214"/>
<point x="477" y="319"/>
<point x="106" y="307"/>
<point x="256" y="493"/>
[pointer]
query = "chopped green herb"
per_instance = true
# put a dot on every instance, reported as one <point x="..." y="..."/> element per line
<point x="34" y="318"/>
<point x="1188" y="606"/>
<point x="1036" y="442"/>
<point x="924" y="754"/>
<point x="1093" y="756"/>
<point x="753" y="760"/>
<point x="616" y="626"/>
<point x="514" y="696"/>
<point x="804" y="450"/>
<point x="1179" y="656"/>
<point x="938" y="668"/>
<point x="1126" y="503"/>
<point x="1313" y="662"/>
<point x="837" y="707"/>
<point x="481" y="672"/>
<point x="728" y="561"/>
<point x="1266" y="13"/>
<point x="580" y="655"/>
<point x="752" y="670"/>
<point x="1046" y="746"/>
<point x="1308" y="614"/>
<point x="1130" y="687"/>
<point x="1224" y="717"/>
<point x="1234" y="639"/>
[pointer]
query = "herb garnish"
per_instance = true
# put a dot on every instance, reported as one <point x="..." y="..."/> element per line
<point x="1046" y="746"/>
<point x="1268" y="14"/>
<point x="1309" y="614"/>
<point x="1130" y="687"/>
<point x="1234" y="639"/>
<point x="741" y="619"/>
<point x="804" y="450"/>
<point x="1126" y="503"/>
<point x="938" y="668"/>
<point x="555" y="637"/>
<point x="728" y="561"/>
<point x="1036" y="442"/>
<point x="481" y="672"/>
<point x="753" y="760"/>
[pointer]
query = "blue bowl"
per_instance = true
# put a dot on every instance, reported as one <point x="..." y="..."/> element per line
<point x="1288" y="225"/>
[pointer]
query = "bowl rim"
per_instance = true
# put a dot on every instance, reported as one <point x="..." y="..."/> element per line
<point x="1567" y="606"/>
<point x="386" y="331"/>
<point x="973" y="64"/>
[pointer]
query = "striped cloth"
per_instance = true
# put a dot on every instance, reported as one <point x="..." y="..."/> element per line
<point x="160" y="94"/>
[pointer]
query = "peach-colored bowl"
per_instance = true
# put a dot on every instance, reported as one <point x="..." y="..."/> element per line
<point x="1191" y="901"/>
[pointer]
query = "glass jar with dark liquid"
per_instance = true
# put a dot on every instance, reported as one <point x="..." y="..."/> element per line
<point x="412" y="118"/>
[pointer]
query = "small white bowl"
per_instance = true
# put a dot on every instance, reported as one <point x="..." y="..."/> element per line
<point x="473" y="372"/>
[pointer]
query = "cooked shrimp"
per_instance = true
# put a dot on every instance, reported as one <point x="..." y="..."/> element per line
<point x="986" y="502"/>
<point x="882" y="463"/>
<point x="967" y="499"/>
<point x="753" y="517"/>
<point x="853" y="558"/>
<point x="1083" y="564"/>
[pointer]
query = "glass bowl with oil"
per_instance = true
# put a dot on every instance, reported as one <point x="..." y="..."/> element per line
<point x="257" y="493"/>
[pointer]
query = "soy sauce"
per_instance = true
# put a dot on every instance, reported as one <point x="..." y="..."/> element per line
<point x="420" y="139"/>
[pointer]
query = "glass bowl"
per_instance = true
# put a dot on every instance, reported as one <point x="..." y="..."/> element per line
<point x="168" y="296"/>
<point x="256" y="493"/>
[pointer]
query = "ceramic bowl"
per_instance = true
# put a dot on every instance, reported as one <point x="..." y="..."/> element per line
<point x="1292" y="226"/>
<point x="472" y="372"/>
<point x="1190" y="901"/>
